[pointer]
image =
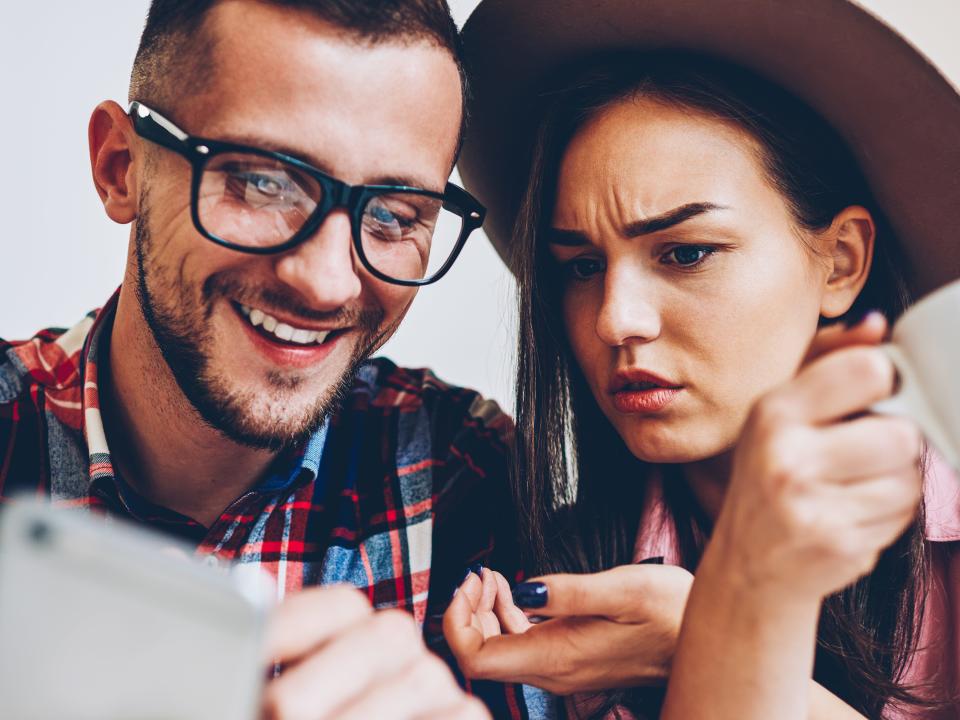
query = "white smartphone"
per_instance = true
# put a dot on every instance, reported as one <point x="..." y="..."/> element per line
<point x="100" y="620"/>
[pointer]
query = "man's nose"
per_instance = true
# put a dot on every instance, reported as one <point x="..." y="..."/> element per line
<point x="628" y="311"/>
<point x="323" y="268"/>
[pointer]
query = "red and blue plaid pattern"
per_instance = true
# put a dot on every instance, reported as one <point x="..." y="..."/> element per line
<point x="401" y="491"/>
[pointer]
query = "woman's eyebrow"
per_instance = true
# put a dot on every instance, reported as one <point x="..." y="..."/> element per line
<point x="669" y="219"/>
<point x="663" y="221"/>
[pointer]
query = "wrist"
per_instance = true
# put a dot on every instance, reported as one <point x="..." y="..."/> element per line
<point x="731" y="579"/>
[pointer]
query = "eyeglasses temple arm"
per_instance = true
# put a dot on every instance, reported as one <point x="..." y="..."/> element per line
<point x="153" y="126"/>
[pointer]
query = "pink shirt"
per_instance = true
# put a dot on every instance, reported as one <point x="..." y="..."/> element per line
<point x="937" y="661"/>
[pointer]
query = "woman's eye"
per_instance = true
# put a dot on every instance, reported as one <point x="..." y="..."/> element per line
<point x="687" y="255"/>
<point x="583" y="268"/>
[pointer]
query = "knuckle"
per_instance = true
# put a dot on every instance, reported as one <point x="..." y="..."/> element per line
<point x="872" y="367"/>
<point x="769" y="412"/>
<point x="396" y="625"/>
<point x="905" y="439"/>
<point x="785" y="470"/>
<point x="349" y="599"/>
<point x="434" y="674"/>
<point x="803" y="519"/>
<point x="473" y="709"/>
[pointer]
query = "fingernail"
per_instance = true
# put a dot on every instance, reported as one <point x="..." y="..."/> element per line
<point x="465" y="576"/>
<point x="656" y="560"/>
<point x="477" y="570"/>
<point x="530" y="595"/>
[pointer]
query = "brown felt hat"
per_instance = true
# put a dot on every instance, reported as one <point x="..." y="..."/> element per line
<point x="898" y="113"/>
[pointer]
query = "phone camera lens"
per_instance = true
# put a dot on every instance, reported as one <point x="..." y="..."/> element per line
<point x="39" y="532"/>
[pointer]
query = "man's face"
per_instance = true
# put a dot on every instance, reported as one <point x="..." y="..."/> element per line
<point x="385" y="113"/>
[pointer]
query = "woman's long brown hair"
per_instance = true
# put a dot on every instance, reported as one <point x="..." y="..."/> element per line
<point x="578" y="489"/>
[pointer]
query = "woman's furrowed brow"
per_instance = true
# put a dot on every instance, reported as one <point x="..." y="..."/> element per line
<point x="636" y="228"/>
<point x="669" y="219"/>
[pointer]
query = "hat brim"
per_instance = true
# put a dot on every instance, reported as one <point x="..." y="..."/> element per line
<point x="899" y="115"/>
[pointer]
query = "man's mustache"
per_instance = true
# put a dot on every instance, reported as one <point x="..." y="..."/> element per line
<point x="228" y="286"/>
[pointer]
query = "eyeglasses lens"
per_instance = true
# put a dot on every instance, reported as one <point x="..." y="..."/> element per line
<point x="408" y="236"/>
<point x="255" y="201"/>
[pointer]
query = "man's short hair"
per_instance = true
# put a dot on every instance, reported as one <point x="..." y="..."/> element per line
<point x="171" y="48"/>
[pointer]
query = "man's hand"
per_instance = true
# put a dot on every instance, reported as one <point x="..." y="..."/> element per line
<point x="342" y="660"/>
<point x="606" y="630"/>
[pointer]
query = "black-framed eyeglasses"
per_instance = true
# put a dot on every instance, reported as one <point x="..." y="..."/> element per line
<point x="263" y="202"/>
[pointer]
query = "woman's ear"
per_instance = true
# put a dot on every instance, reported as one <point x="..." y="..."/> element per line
<point x="112" y="142"/>
<point x="847" y="247"/>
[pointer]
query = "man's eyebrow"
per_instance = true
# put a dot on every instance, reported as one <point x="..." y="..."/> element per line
<point x="664" y="221"/>
<point x="265" y="144"/>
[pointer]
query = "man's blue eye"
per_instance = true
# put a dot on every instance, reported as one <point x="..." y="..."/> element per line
<point x="268" y="186"/>
<point x="265" y="185"/>
<point x="381" y="214"/>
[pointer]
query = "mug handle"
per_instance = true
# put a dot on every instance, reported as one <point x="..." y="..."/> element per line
<point x="909" y="401"/>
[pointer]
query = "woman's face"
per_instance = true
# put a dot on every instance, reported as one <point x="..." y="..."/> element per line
<point x="688" y="289"/>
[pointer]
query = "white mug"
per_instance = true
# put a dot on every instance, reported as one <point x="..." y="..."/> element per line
<point x="925" y="348"/>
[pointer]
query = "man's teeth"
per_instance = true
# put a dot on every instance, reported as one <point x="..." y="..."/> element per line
<point x="285" y="332"/>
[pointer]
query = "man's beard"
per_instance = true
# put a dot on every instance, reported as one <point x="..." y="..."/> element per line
<point x="179" y="323"/>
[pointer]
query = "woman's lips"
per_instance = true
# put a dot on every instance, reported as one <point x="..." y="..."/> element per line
<point x="644" y="401"/>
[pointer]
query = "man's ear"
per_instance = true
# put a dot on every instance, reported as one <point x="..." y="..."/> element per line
<point x="848" y="250"/>
<point x="112" y="144"/>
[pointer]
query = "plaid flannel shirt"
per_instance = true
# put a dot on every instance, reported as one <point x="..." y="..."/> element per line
<point x="398" y="494"/>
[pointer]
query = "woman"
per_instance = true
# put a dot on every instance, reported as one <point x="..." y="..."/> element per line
<point x="686" y="230"/>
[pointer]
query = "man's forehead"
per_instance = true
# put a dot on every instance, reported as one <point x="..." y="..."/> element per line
<point x="293" y="82"/>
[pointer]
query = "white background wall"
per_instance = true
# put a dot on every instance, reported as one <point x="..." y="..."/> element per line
<point x="60" y="255"/>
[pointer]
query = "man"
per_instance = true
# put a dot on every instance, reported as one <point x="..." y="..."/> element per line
<point x="224" y="395"/>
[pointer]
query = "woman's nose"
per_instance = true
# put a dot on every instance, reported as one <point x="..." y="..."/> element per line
<point x="629" y="310"/>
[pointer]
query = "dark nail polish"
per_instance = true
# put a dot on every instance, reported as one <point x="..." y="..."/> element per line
<point x="656" y="560"/>
<point x="477" y="570"/>
<point x="530" y="595"/>
<point x="466" y="574"/>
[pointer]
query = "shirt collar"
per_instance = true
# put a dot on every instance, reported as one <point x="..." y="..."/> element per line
<point x="291" y="469"/>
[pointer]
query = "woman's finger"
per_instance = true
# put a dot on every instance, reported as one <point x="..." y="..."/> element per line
<point x="485" y="617"/>
<point x="463" y="635"/>
<point x="472" y="589"/>
<point x="512" y="619"/>
<point x="869" y="331"/>
<point x="864" y="447"/>
<point x="873" y="501"/>
<point x="488" y="594"/>
<point x="837" y="385"/>
<point x="630" y="592"/>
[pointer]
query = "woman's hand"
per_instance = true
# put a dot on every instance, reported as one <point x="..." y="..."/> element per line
<point x="818" y="490"/>
<point x="606" y="630"/>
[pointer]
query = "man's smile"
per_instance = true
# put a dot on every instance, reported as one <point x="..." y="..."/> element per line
<point x="286" y="331"/>
<point x="285" y="344"/>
